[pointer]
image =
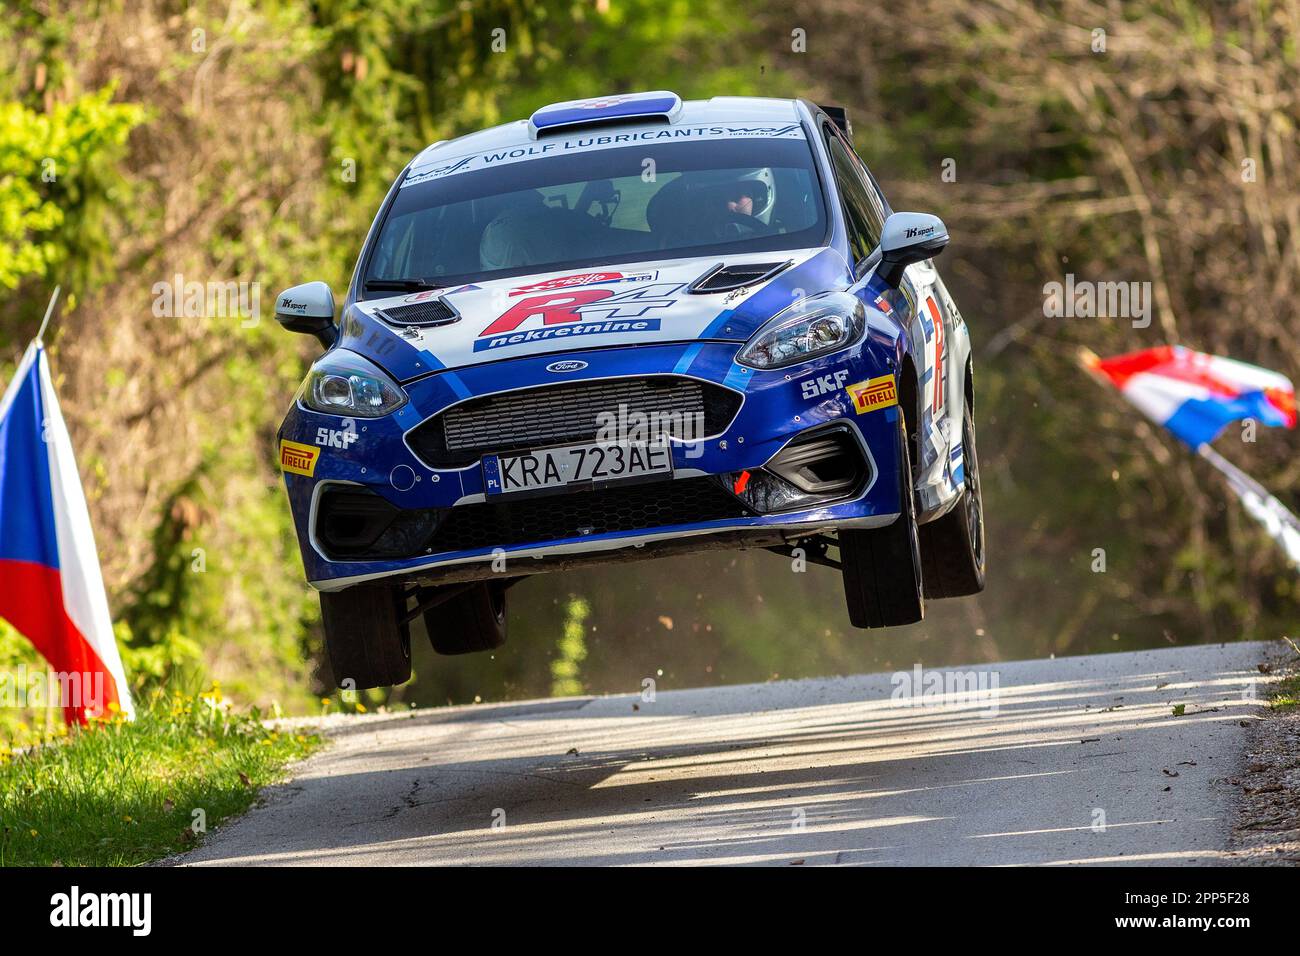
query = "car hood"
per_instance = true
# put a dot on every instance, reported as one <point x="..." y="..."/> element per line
<point x="579" y="309"/>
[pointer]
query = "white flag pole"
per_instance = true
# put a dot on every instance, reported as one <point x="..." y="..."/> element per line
<point x="49" y="311"/>
<point x="1282" y="526"/>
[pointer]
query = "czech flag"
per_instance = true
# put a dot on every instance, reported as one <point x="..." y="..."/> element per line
<point x="1195" y="395"/>
<point x="51" y="588"/>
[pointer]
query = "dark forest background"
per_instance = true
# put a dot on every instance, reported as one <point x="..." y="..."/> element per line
<point x="228" y="141"/>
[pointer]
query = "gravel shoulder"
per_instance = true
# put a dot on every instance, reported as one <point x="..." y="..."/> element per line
<point x="1267" y="828"/>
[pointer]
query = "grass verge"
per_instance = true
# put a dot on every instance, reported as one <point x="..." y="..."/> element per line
<point x="1286" y="693"/>
<point x="121" y="793"/>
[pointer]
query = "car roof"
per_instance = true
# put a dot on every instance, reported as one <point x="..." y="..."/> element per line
<point x="522" y="133"/>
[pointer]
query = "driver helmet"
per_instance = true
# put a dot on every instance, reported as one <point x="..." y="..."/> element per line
<point x="764" y="195"/>
<point x="759" y="183"/>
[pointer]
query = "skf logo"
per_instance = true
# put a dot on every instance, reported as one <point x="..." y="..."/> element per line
<point x="329" y="438"/>
<point x="299" y="459"/>
<point x="823" y="384"/>
<point x="874" y="393"/>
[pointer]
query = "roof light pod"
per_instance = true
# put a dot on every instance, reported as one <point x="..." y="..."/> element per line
<point x="598" y="111"/>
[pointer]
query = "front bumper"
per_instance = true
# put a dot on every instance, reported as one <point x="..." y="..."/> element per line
<point x="448" y="529"/>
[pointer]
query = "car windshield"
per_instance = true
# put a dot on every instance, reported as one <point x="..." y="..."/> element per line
<point x="606" y="206"/>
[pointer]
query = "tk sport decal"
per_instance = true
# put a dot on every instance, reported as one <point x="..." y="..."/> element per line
<point x="873" y="394"/>
<point x="578" y="312"/>
<point x="299" y="459"/>
<point x="823" y="384"/>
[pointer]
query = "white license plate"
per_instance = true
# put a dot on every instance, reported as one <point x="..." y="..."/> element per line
<point x="556" y="467"/>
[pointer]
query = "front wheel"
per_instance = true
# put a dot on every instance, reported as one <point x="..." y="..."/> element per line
<point x="882" y="566"/>
<point x="473" y="620"/>
<point x="367" y="644"/>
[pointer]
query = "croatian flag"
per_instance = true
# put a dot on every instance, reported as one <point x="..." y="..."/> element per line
<point x="1196" y="396"/>
<point x="51" y="589"/>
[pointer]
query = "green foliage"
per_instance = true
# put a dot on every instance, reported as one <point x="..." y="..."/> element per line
<point x="56" y="170"/>
<point x="126" y="792"/>
<point x="571" y="650"/>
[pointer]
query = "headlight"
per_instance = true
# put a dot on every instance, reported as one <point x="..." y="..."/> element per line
<point x="805" y="330"/>
<point x="344" y="383"/>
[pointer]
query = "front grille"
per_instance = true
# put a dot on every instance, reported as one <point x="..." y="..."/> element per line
<point x="572" y="413"/>
<point x="432" y="312"/>
<point x="640" y="507"/>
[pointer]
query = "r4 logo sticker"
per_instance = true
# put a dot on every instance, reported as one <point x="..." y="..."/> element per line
<point x="574" y="305"/>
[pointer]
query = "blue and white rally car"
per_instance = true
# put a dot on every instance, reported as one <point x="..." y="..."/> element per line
<point x="629" y="327"/>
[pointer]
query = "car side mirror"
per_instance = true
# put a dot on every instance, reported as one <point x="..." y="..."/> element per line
<point x="308" y="308"/>
<point x="909" y="237"/>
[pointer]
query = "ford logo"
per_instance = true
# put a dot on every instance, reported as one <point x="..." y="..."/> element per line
<point x="572" y="365"/>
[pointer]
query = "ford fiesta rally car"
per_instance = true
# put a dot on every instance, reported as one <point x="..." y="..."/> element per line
<point x="626" y="328"/>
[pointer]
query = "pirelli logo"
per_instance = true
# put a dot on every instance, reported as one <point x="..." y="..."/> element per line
<point x="299" y="459"/>
<point x="874" y="393"/>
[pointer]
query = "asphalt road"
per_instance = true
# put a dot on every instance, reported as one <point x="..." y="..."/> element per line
<point x="1070" y="761"/>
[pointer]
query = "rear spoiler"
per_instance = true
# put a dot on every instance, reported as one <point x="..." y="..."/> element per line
<point x="840" y="117"/>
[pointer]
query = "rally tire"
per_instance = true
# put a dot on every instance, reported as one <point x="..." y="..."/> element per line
<point x="364" y="637"/>
<point x="882" y="566"/>
<point x="952" y="546"/>
<point x="472" y="621"/>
